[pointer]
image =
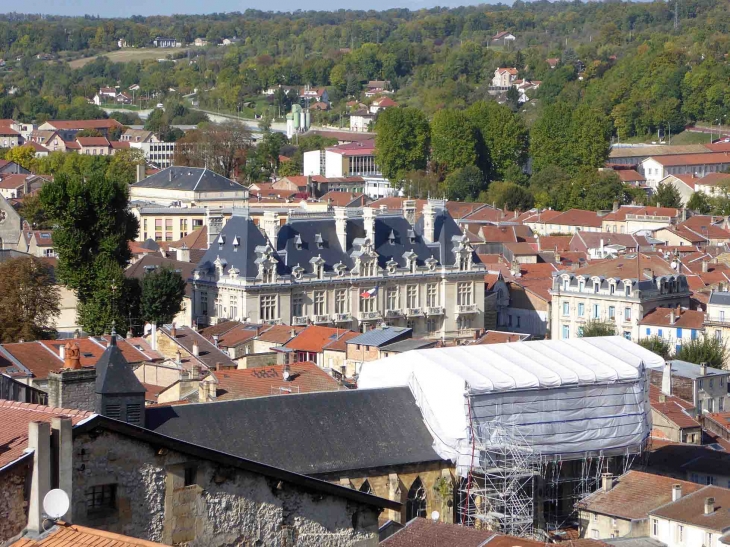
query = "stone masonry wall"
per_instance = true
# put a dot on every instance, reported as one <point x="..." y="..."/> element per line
<point x="13" y="502"/>
<point x="72" y="389"/>
<point x="225" y="506"/>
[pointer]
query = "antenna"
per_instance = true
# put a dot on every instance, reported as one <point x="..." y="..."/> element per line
<point x="55" y="503"/>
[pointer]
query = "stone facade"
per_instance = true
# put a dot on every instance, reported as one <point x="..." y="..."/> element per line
<point x="167" y="496"/>
<point x="14" y="499"/>
<point x="10" y="226"/>
<point x="72" y="389"/>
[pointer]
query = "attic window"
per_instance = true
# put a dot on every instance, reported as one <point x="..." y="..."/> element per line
<point x="236" y="243"/>
<point x="319" y="241"/>
<point x="221" y="241"/>
<point x="391" y="237"/>
<point x="298" y="242"/>
<point x="411" y="236"/>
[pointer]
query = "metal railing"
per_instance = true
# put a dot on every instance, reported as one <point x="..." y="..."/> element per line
<point x="299" y="320"/>
<point x="321" y="318"/>
<point x="342" y="317"/>
<point x="466" y="308"/>
<point x="414" y="312"/>
<point x="434" y="310"/>
<point x="370" y="315"/>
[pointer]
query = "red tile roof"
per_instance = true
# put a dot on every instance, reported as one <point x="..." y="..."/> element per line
<point x="673" y="408"/>
<point x="549" y="243"/>
<point x="625" y="210"/>
<point x="714" y="179"/>
<point x="12" y="182"/>
<point x="421" y="532"/>
<point x="576" y="217"/>
<point x="280" y="334"/>
<point x="630" y="175"/>
<point x="314" y="338"/>
<point x="692" y="159"/>
<point x="92" y="141"/>
<point x="498" y="234"/>
<point x="688" y="319"/>
<point x="15" y="418"/>
<point x="362" y="148"/>
<point x="85" y="124"/>
<point x="497" y="337"/>
<point x="68" y="535"/>
<point x="690" y="509"/>
<point x="627" y="267"/>
<point x="343" y="199"/>
<point x="306" y="377"/>
<point x="197" y="239"/>
<point x="341" y="343"/>
<point x="634" y="494"/>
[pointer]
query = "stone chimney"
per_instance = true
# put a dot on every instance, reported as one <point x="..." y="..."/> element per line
<point x="703" y="369"/>
<point x="606" y="481"/>
<point x="62" y="354"/>
<point x="341" y="226"/>
<point x="705" y="266"/>
<point x="215" y="340"/>
<point x="173" y="331"/>
<point x="368" y="219"/>
<point x="287" y="373"/>
<point x="409" y="210"/>
<point x="39" y="440"/>
<point x="183" y="253"/>
<point x="140" y="172"/>
<point x="672" y="318"/>
<point x="196" y="349"/>
<point x="429" y="222"/>
<point x="676" y="492"/>
<point x="615" y="206"/>
<point x="270" y="224"/>
<point x="709" y="506"/>
<point x="667" y="379"/>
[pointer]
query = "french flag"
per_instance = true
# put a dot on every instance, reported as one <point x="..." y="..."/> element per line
<point x="369" y="294"/>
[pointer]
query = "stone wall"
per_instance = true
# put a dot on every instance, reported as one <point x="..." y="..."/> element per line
<point x="221" y="506"/>
<point x="72" y="389"/>
<point x="13" y="500"/>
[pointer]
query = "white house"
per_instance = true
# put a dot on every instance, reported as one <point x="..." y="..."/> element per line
<point x="656" y="168"/>
<point x="676" y="326"/>
<point x="360" y="120"/>
<point x="504" y="77"/>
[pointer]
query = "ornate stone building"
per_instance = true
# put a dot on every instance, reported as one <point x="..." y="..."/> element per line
<point x="354" y="268"/>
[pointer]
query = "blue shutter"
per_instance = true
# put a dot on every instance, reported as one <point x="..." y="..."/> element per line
<point x="679" y="333"/>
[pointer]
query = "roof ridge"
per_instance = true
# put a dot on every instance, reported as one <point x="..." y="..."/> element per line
<point x="34" y="407"/>
<point x="683" y="496"/>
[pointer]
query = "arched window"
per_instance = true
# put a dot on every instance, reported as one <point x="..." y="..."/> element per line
<point x="416" y="502"/>
<point x="366" y="488"/>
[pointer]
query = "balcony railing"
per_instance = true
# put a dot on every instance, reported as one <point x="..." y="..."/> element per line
<point x="434" y="310"/>
<point x="414" y="312"/>
<point x="370" y="315"/>
<point x="343" y="317"/>
<point x="393" y="313"/>
<point x="319" y="319"/>
<point x="466" y="308"/>
<point x="300" y="320"/>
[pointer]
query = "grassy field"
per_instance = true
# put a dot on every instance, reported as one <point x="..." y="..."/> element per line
<point x="129" y="54"/>
<point x="685" y="137"/>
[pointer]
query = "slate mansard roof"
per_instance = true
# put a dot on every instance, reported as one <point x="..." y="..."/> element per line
<point x="190" y="179"/>
<point x="359" y="429"/>
<point x="300" y="241"/>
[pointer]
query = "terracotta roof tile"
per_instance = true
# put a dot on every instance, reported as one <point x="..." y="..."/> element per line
<point x="422" y="532"/>
<point x="688" y="319"/>
<point x="279" y="334"/>
<point x="314" y="338"/>
<point x="66" y="535"/>
<point x="341" y="343"/>
<point x="576" y="217"/>
<point x="306" y="377"/>
<point x="497" y="337"/>
<point x="710" y="158"/>
<point x="630" y="175"/>
<point x="549" y="243"/>
<point x="634" y="494"/>
<point x="344" y="199"/>
<point x="627" y="267"/>
<point x="15" y="418"/>
<point x="84" y="124"/>
<point x="690" y="509"/>
<point x="92" y="141"/>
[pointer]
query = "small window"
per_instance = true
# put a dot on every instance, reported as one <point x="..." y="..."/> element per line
<point x="191" y="474"/>
<point x="654" y="527"/>
<point x="101" y="498"/>
<point x="134" y="413"/>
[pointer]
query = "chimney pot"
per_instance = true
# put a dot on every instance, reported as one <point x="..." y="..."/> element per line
<point x="676" y="492"/>
<point x="607" y="479"/>
<point x="709" y="506"/>
<point x="667" y="379"/>
<point x="196" y="349"/>
<point x="703" y="369"/>
<point x="215" y="340"/>
<point x="218" y="367"/>
<point x="173" y="331"/>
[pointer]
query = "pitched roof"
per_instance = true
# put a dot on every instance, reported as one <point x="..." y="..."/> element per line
<point x="576" y="217"/>
<point x="113" y="373"/>
<point x="634" y="494"/>
<point x="152" y="262"/>
<point x="421" y="532"/>
<point x="66" y="535"/>
<point x="208" y="354"/>
<point x="13" y="182"/>
<point x="357" y="429"/>
<point x="341" y="343"/>
<point x="232" y="333"/>
<point x="709" y="158"/>
<point x="672" y="408"/>
<point x="92" y="141"/>
<point x="409" y="344"/>
<point x="714" y="179"/>
<point x="314" y="338"/>
<point x="562" y="243"/>
<point x="627" y="267"/>
<point x="305" y="377"/>
<point x="720" y="298"/>
<point x="361" y="148"/>
<point x="345" y="199"/>
<point x="690" y="509"/>
<point x="498" y="337"/>
<point x="688" y="319"/>
<point x="656" y="150"/>
<point x="84" y="124"/>
<point x="381" y="336"/>
<point x="190" y="179"/>
<point x="15" y="418"/>
<point x="279" y="334"/>
<point x="630" y="175"/>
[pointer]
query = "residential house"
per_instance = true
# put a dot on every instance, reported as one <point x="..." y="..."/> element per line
<point x="314" y="94"/>
<point x="166" y="42"/>
<point x="138" y="135"/>
<point x="381" y="103"/>
<point x="366" y="347"/>
<point x="631" y="176"/>
<point x="630" y="219"/>
<point x="553" y="62"/>
<point x="620" y="290"/>
<point x="657" y="168"/>
<point x="8" y="167"/>
<point x="66" y="129"/>
<point x="713" y="184"/>
<point x="309" y="344"/>
<point x="717" y="320"/>
<point x="265" y="381"/>
<point x="334" y="355"/>
<point x="567" y="222"/>
<point x="504" y="77"/>
<point x="505" y="36"/>
<point x="345" y="199"/>
<point x="359" y="445"/>
<point x="676" y="326"/>
<point x="698" y="231"/>
<point x="599" y="245"/>
<point x="17" y="186"/>
<point x="37" y="243"/>
<point x="699" y="518"/>
<point x="705" y="388"/>
<point x="189" y="186"/>
<point x="94" y="146"/>
<point x="9" y="137"/>
<point x="376" y="87"/>
<point x="620" y="507"/>
<point x="361" y="120"/>
<point x="105" y="95"/>
<point x="500" y="337"/>
<point x="673" y="419"/>
<point x="11" y="228"/>
<point x="40" y="150"/>
<point x="527" y="304"/>
<point x="717" y="425"/>
<point x="200" y="42"/>
<point x="685" y="185"/>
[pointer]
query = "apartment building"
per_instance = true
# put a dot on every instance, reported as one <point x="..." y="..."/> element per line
<point x="717" y="319"/>
<point x="352" y="268"/>
<point x="676" y="326"/>
<point x="621" y="291"/>
<point x="657" y="168"/>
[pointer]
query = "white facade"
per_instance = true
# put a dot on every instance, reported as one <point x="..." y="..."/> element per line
<point x="160" y="153"/>
<point x="654" y="171"/>
<point x="680" y="534"/>
<point x="334" y="165"/>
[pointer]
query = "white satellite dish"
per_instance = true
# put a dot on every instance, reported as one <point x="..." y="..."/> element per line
<point x="435" y="516"/>
<point x="55" y="503"/>
<point x="286" y="375"/>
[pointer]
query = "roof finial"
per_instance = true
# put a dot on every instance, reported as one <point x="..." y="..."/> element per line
<point x="113" y="338"/>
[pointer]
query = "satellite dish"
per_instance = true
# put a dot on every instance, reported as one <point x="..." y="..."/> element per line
<point x="55" y="503"/>
<point x="285" y="374"/>
<point x="435" y="516"/>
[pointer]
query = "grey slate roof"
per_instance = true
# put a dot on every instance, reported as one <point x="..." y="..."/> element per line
<point x="196" y="179"/>
<point x="720" y="298"/>
<point x="409" y="345"/>
<point x="691" y="370"/>
<point x="113" y="373"/>
<point x="153" y="262"/>
<point x="313" y="433"/>
<point x="382" y="336"/>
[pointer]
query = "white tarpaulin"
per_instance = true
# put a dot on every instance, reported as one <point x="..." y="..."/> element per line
<point x="565" y="397"/>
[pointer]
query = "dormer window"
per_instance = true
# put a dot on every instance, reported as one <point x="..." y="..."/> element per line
<point x="581" y="286"/>
<point x="319" y="241"/>
<point x="221" y="241"/>
<point x="236" y="243"/>
<point x="596" y="287"/>
<point x="298" y="242"/>
<point x="627" y="289"/>
<point x="566" y="284"/>
<point x="391" y="237"/>
<point x="411" y="235"/>
<point x="612" y="288"/>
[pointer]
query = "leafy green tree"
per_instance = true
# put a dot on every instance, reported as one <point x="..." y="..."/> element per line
<point x="513" y="98"/>
<point x="455" y="141"/>
<point x="32" y="211"/>
<point x="510" y="196"/>
<point x="660" y="346"/>
<point x="598" y="328"/>
<point x="162" y="295"/>
<point x="289" y="168"/>
<point x="22" y="155"/>
<point x="550" y="138"/>
<point x="402" y="141"/>
<point x="706" y="349"/>
<point x="666" y="195"/>
<point x="602" y="189"/>
<point x="546" y="184"/>
<point x="123" y="164"/>
<point x="29" y="300"/>
<point x="504" y="135"/>
<point x="464" y="184"/>
<point x="110" y="300"/>
<point x="590" y="137"/>
<point x="699" y="203"/>
<point x="92" y="226"/>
